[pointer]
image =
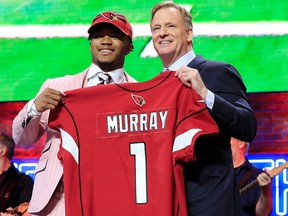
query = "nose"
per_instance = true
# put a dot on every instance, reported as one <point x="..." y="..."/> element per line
<point x="106" y="40"/>
<point x="163" y="31"/>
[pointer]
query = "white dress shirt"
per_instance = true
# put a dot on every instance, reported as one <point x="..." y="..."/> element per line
<point x="117" y="75"/>
<point x="185" y="60"/>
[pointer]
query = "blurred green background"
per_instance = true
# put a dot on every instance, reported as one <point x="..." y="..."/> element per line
<point x="26" y="62"/>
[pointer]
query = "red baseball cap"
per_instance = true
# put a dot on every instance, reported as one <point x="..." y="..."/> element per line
<point x="115" y="19"/>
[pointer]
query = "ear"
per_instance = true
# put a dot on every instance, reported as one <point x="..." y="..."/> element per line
<point x="241" y="144"/>
<point x="189" y="34"/>
<point x="129" y="48"/>
<point x="3" y="150"/>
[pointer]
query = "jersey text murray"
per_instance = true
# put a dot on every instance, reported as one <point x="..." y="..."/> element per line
<point x="137" y="122"/>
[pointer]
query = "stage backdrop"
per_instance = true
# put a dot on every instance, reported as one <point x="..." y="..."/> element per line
<point x="46" y="39"/>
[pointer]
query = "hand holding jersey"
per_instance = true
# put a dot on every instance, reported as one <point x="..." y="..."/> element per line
<point x="192" y="78"/>
<point x="110" y="38"/>
<point x="49" y="99"/>
<point x="210" y="183"/>
<point x="128" y="150"/>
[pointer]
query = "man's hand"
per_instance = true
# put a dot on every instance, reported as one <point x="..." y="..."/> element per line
<point x="10" y="212"/>
<point x="265" y="178"/>
<point x="49" y="99"/>
<point x="191" y="78"/>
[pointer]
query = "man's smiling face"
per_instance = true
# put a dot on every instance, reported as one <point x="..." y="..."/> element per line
<point x="109" y="46"/>
<point x="170" y="37"/>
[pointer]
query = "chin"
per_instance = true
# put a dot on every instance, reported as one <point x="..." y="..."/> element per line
<point x="105" y="63"/>
<point x="164" y="53"/>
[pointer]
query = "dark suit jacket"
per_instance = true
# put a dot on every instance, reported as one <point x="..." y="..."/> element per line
<point x="211" y="187"/>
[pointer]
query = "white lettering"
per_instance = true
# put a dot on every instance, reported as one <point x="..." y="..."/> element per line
<point x="112" y="124"/>
<point x="137" y="122"/>
<point x="153" y="121"/>
<point x="143" y="122"/>
<point x="133" y="122"/>
<point x="163" y="117"/>
<point x="123" y="126"/>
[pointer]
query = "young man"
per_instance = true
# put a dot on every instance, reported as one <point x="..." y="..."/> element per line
<point x="111" y="40"/>
<point x="211" y="187"/>
<point x="257" y="200"/>
<point x="15" y="187"/>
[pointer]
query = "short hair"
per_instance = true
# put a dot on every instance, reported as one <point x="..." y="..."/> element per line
<point x="9" y="143"/>
<point x="187" y="18"/>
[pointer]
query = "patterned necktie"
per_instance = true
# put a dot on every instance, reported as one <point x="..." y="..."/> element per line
<point x="104" y="78"/>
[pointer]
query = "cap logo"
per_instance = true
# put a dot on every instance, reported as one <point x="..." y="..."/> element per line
<point x="116" y="19"/>
<point x="113" y="16"/>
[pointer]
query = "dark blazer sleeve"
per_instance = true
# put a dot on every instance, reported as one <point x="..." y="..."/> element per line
<point x="210" y="183"/>
<point x="231" y="109"/>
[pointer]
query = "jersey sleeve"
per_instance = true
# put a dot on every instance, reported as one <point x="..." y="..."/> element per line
<point x="61" y="120"/>
<point x="193" y="121"/>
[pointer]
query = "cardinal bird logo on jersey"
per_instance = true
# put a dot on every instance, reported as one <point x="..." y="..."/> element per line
<point x="140" y="101"/>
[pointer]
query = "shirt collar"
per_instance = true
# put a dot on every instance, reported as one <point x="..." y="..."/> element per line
<point x="246" y="165"/>
<point x="117" y="75"/>
<point x="183" y="60"/>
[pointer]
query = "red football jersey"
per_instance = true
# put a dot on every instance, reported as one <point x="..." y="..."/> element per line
<point x="123" y="145"/>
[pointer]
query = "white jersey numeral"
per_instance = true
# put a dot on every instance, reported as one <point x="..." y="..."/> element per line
<point x="138" y="150"/>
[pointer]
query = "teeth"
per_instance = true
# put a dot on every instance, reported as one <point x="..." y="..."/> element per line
<point x="105" y="50"/>
<point x="164" y="42"/>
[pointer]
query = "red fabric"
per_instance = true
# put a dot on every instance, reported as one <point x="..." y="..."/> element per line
<point x="154" y="115"/>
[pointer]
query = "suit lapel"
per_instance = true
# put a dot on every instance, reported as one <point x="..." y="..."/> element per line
<point x="129" y="78"/>
<point x="79" y="80"/>
<point x="197" y="62"/>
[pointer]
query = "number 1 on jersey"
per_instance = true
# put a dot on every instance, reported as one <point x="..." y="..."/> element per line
<point x="139" y="152"/>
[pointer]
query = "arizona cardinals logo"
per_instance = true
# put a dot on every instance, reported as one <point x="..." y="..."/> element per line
<point x="111" y="16"/>
<point x="140" y="101"/>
